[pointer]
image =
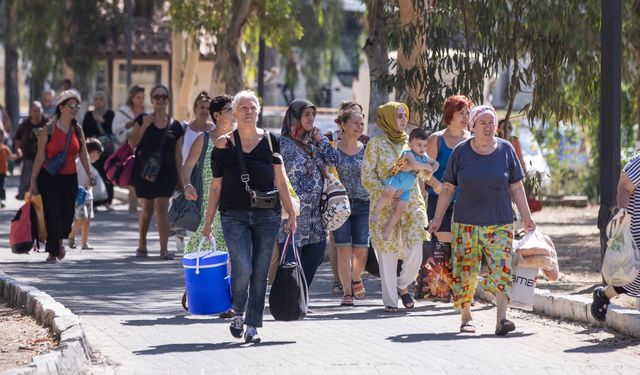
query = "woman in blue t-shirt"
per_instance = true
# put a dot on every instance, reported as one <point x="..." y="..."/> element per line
<point x="488" y="174"/>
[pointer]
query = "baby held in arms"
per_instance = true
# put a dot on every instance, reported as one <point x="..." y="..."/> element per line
<point x="403" y="175"/>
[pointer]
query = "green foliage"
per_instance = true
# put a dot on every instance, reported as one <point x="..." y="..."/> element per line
<point x="274" y="20"/>
<point x="547" y="44"/>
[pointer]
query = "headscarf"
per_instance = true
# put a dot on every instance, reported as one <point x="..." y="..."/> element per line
<point x="388" y="124"/>
<point x="478" y="111"/>
<point x="99" y="112"/>
<point x="292" y="119"/>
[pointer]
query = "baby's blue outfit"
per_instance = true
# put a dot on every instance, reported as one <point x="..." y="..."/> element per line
<point x="405" y="180"/>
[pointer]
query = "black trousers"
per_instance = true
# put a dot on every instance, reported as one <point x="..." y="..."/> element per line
<point x="59" y="202"/>
<point x="3" y="193"/>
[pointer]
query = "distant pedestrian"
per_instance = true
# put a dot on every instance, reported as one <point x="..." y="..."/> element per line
<point x="157" y="167"/>
<point x="60" y="188"/>
<point x="84" y="207"/>
<point x="249" y="229"/>
<point x="627" y="198"/>
<point x="489" y="175"/>
<point x="290" y="78"/>
<point x="26" y="144"/>
<point x="5" y="156"/>
<point x="48" y="106"/>
<point x="352" y="238"/>
<point x="405" y="241"/>
<point x="505" y="131"/>
<point x="306" y="154"/>
<point x="97" y="123"/>
<point x="123" y="125"/>
<point x="219" y="108"/>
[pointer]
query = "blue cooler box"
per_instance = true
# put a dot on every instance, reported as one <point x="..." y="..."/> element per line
<point x="206" y="275"/>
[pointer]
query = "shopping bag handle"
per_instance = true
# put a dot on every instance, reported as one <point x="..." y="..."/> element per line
<point x="213" y="242"/>
<point x="290" y="238"/>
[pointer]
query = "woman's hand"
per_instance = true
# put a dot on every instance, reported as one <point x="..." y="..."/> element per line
<point x="92" y="180"/>
<point x="190" y="192"/>
<point x="316" y="134"/>
<point x="434" y="225"/>
<point x="291" y="225"/>
<point x="529" y="224"/>
<point x="206" y="231"/>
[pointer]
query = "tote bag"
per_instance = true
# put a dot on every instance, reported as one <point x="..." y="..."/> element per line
<point x="621" y="261"/>
<point x="289" y="297"/>
<point x="334" y="203"/>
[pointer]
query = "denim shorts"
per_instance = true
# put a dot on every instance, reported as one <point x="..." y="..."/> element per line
<point x="355" y="231"/>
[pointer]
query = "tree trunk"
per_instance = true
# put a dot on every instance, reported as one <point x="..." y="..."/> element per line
<point x="407" y="60"/>
<point x="12" y="95"/>
<point x="185" y="56"/>
<point x="231" y="60"/>
<point x="375" y="49"/>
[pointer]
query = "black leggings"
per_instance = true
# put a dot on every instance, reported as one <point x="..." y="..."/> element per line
<point x="59" y="202"/>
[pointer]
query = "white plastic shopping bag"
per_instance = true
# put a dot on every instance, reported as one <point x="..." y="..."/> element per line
<point x="524" y="285"/>
<point x="621" y="261"/>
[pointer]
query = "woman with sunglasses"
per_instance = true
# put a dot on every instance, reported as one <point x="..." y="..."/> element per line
<point x="59" y="185"/>
<point x="158" y="157"/>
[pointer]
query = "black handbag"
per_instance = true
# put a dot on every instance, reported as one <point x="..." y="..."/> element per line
<point x="184" y="213"/>
<point x="151" y="169"/>
<point x="259" y="199"/>
<point x="289" y="296"/>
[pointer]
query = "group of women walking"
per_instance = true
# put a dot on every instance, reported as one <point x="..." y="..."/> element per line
<point x="246" y="174"/>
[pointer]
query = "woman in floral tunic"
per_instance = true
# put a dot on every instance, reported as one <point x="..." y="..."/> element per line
<point x="406" y="238"/>
<point x="306" y="152"/>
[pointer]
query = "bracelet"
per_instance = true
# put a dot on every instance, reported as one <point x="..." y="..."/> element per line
<point x="189" y="185"/>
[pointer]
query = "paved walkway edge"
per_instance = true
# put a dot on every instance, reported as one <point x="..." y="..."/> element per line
<point x="73" y="354"/>
<point x="578" y="309"/>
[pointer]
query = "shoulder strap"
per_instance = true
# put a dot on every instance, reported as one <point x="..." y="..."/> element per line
<point x="244" y="175"/>
<point x="125" y="114"/>
<point x="440" y="140"/>
<point x="205" y="145"/>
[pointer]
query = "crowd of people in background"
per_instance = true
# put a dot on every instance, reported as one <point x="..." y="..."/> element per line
<point x="403" y="187"/>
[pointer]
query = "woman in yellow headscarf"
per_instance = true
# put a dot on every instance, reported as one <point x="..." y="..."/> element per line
<point x="406" y="238"/>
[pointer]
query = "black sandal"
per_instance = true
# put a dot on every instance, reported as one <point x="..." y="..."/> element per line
<point x="505" y="326"/>
<point x="407" y="301"/>
<point x="600" y="304"/>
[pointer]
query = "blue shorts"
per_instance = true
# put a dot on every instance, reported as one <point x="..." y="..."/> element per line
<point x="402" y="181"/>
<point x="355" y="231"/>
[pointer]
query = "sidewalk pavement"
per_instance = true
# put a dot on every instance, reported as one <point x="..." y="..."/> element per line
<point x="130" y="311"/>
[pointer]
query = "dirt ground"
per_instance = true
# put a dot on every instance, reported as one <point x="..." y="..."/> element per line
<point x="576" y="237"/>
<point x="21" y="338"/>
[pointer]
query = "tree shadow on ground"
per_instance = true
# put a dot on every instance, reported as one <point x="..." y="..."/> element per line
<point x="200" y="347"/>
<point x="610" y="344"/>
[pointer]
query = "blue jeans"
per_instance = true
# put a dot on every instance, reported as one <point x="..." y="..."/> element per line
<point x="355" y="231"/>
<point x="311" y="257"/>
<point x="250" y="236"/>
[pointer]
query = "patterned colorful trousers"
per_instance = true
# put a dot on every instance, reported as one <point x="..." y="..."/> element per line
<point x="469" y="244"/>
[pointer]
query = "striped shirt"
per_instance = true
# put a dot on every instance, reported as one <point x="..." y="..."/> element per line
<point x="632" y="169"/>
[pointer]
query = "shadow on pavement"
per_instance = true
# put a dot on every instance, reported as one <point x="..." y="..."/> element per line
<point x="609" y="344"/>
<point x="174" y="320"/>
<point x="185" y="348"/>
<point x="449" y="336"/>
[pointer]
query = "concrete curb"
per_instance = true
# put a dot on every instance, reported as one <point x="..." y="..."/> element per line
<point x="578" y="309"/>
<point x="73" y="354"/>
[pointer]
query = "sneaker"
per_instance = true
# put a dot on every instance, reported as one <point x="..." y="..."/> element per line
<point x="71" y="242"/>
<point x="237" y="326"/>
<point x="180" y="243"/>
<point x="600" y="304"/>
<point x="251" y="336"/>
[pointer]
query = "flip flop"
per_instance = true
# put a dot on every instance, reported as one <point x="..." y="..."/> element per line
<point x="468" y="327"/>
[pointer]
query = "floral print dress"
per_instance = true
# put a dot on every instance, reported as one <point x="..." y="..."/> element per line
<point x="308" y="183"/>
<point x="194" y="239"/>
<point x="379" y="157"/>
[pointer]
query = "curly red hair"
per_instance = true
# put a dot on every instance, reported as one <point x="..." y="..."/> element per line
<point x="454" y="104"/>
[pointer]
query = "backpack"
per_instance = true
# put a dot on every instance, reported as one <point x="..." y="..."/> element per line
<point x="23" y="234"/>
<point x="119" y="166"/>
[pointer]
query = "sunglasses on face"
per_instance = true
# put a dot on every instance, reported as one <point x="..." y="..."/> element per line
<point x="226" y="109"/>
<point x="73" y="106"/>
<point x="161" y="97"/>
